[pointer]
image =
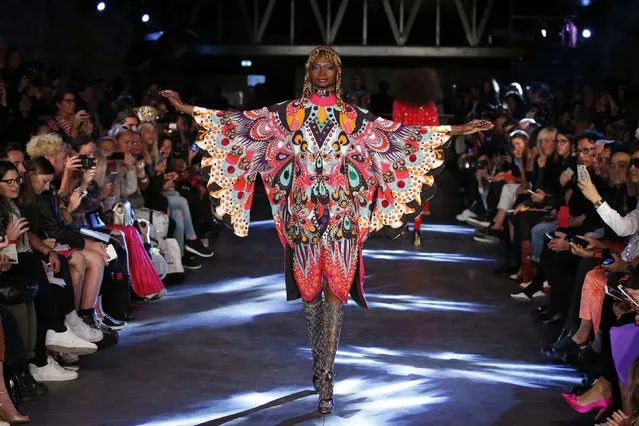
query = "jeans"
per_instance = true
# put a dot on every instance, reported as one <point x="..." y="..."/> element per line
<point x="538" y="238"/>
<point x="181" y="214"/>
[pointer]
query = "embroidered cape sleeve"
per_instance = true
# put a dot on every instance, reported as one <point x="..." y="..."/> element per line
<point x="235" y="145"/>
<point x="403" y="160"/>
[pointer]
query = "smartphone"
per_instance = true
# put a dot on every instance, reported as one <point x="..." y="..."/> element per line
<point x="576" y="240"/>
<point x="582" y="173"/>
<point x="113" y="177"/>
<point x="86" y="162"/>
<point x="530" y="191"/>
<point x="116" y="156"/>
<point x="628" y="297"/>
<point x="194" y="147"/>
<point x="550" y="235"/>
<point x="608" y="260"/>
<point x="614" y="293"/>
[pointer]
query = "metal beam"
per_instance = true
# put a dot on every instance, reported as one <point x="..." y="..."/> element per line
<point x="464" y="21"/>
<point x="319" y="20"/>
<point x="411" y="20"/>
<point x="362" y="51"/>
<point x="391" y="20"/>
<point x="264" y="22"/>
<point x="292" y="23"/>
<point x="247" y="18"/>
<point x="484" y="21"/>
<point x="338" y="21"/>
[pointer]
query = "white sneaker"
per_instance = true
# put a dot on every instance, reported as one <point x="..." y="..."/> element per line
<point x="68" y="342"/>
<point x="475" y="222"/>
<point x="82" y="329"/>
<point x="68" y="361"/>
<point x="465" y="215"/>
<point x="521" y="297"/>
<point x="538" y="294"/>
<point x="546" y="287"/>
<point x="52" y="372"/>
<point x="524" y="285"/>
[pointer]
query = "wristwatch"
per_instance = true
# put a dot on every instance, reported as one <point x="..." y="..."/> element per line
<point x="599" y="203"/>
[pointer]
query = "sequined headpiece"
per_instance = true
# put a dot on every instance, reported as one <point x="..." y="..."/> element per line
<point x="323" y="54"/>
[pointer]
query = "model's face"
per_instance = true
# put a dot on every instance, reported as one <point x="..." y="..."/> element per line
<point x="323" y="74"/>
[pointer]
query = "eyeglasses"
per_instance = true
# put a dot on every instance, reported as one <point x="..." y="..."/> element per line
<point x="12" y="182"/>
<point x="586" y="151"/>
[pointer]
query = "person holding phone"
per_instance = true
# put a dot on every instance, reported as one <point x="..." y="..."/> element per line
<point x="31" y="254"/>
<point x="69" y="121"/>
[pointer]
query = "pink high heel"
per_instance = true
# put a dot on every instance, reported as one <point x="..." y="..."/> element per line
<point x="602" y="404"/>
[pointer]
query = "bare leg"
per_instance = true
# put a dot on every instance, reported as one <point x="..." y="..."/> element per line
<point x="92" y="278"/>
<point x="500" y="218"/>
<point x="8" y="411"/>
<point x="600" y="389"/>
<point x="583" y="333"/>
<point x="77" y="265"/>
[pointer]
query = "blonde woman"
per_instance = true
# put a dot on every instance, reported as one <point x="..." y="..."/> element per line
<point x="150" y="151"/>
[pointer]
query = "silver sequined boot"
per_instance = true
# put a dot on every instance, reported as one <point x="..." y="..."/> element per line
<point x="313" y="314"/>
<point x="333" y="316"/>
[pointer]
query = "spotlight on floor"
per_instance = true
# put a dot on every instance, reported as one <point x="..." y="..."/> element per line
<point x="146" y="18"/>
<point x="586" y="33"/>
<point x="100" y="6"/>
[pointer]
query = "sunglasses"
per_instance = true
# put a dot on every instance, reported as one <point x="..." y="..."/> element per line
<point x="634" y="162"/>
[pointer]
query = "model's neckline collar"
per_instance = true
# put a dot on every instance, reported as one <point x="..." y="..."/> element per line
<point x="325" y="101"/>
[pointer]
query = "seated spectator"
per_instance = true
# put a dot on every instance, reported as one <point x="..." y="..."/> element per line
<point x="52" y="333"/>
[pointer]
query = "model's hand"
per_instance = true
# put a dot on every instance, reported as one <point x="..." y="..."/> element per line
<point x="471" y="127"/>
<point x="173" y="97"/>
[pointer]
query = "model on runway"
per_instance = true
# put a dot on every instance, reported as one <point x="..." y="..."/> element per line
<point x="333" y="174"/>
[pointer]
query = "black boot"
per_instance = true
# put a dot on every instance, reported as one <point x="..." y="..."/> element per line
<point x="313" y="314"/>
<point x="11" y="383"/>
<point x="333" y="314"/>
<point x="30" y="390"/>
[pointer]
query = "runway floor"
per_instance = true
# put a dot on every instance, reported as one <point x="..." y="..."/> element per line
<point x="442" y="344"/>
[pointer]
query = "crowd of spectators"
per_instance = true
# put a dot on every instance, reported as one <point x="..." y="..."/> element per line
<point x="554" y="188"/>
<point x="100" y="202"/>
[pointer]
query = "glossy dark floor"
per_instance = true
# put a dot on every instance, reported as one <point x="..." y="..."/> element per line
<point x="442" y="344"/>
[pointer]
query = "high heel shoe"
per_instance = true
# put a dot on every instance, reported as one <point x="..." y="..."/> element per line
<point x="602" y="404"/>
<point x="13" y="418"/>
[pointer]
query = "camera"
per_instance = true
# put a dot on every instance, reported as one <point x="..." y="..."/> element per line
<point x="86" y="162"/>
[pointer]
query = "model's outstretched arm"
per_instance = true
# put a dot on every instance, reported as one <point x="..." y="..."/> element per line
<point x="176" y="101"/>
<point x="234" y="147"/>
<point x="471" y="127"/>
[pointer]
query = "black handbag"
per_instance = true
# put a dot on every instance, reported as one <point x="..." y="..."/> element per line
<point x="15" y="289"/>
